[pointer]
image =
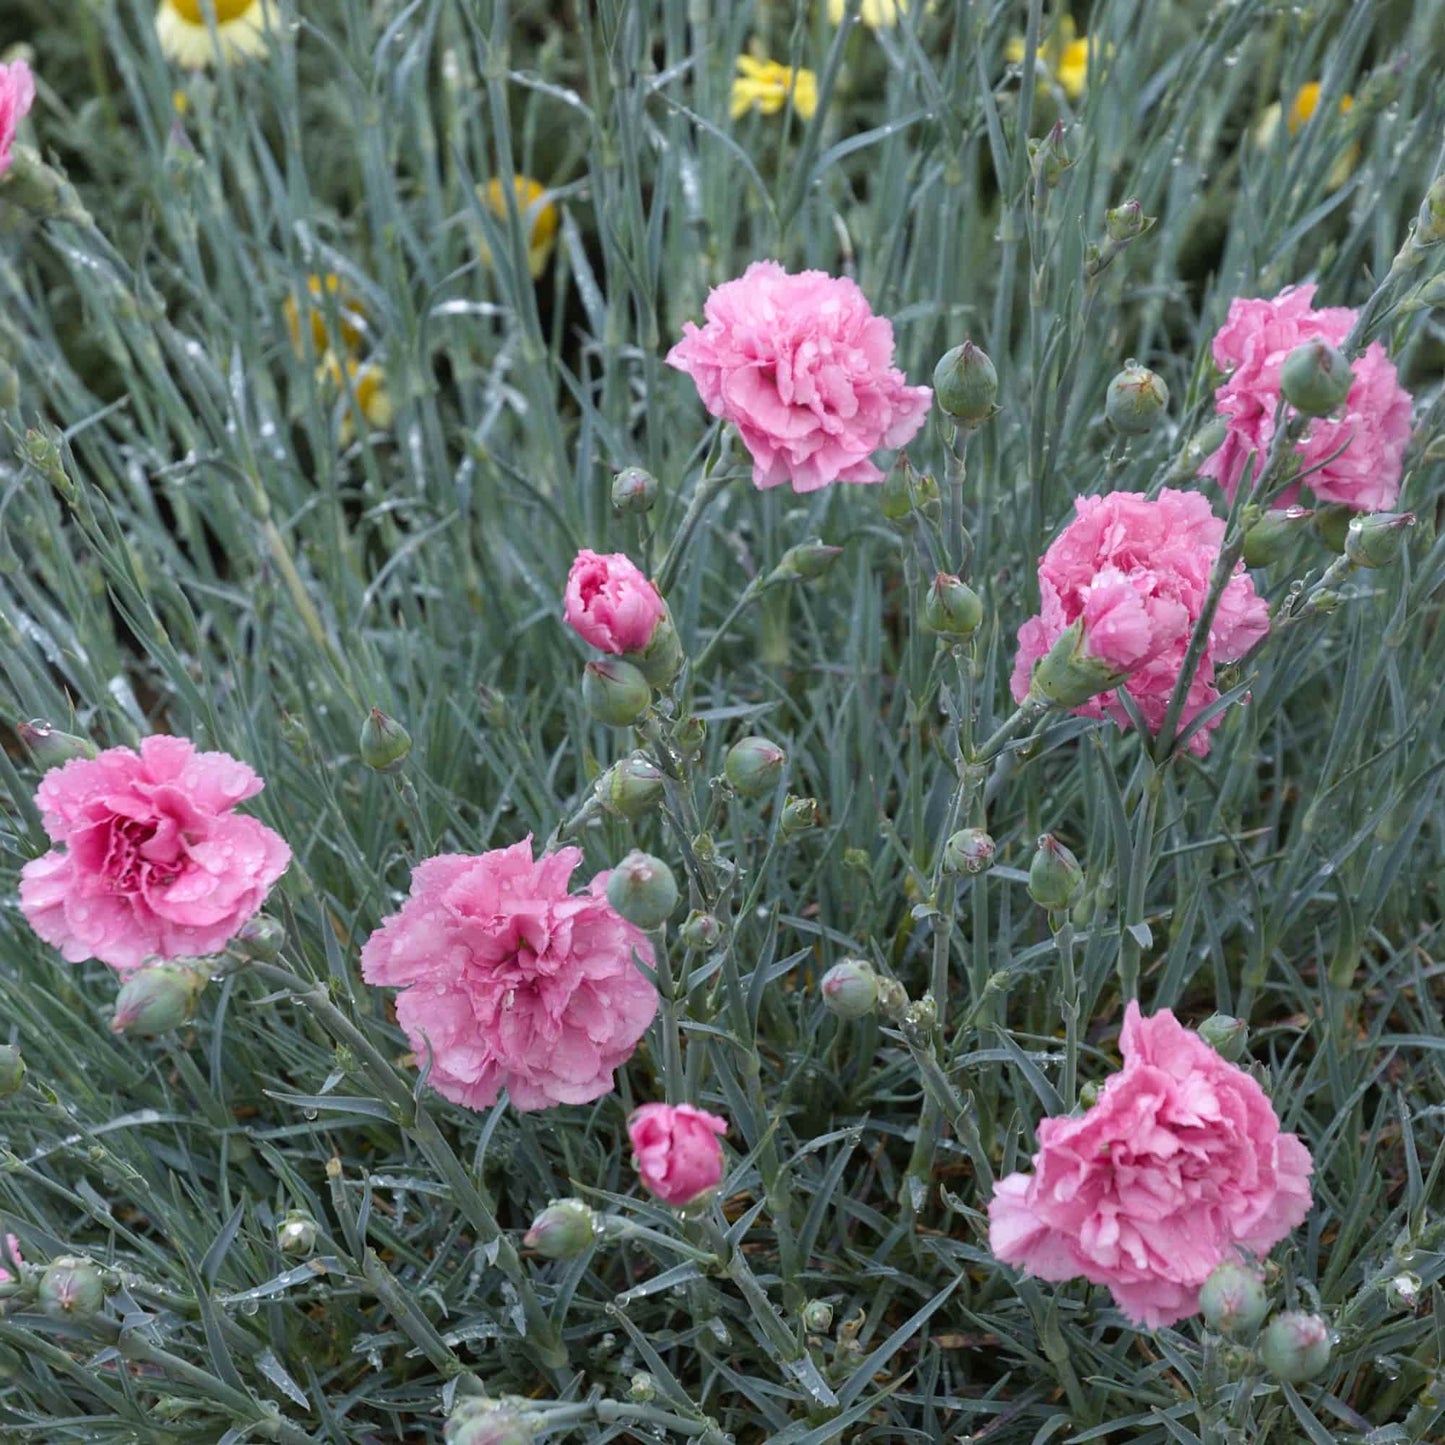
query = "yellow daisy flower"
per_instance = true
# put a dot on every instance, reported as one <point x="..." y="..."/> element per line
<point x="350" y="315"/>
<point x="540" y="218"/>
<point x="765" y="86"/>
<point x="241" y="28"/>
<point x="1064" y="54"/>
<point x="1301" y="111"/>
<point x="368" y="386"/>
<point x="875" y="14"/>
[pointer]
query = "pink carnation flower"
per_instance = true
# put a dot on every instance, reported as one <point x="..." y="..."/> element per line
<point x="675" y="1150"/>
<point x="1137" y="572"/>
<point x="14" y="1246"/>
<point x="1178" y="1167"/>
<point x="17" y="95"/>
<point x="153" y="862"/>
<point x="511" y="982"/>
<point x="804" y="370"/>
<point x="610" y="604"/>
<point x="1373" y="426"/>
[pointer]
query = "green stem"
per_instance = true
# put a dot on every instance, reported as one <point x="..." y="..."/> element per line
<point x="703" y="495"/>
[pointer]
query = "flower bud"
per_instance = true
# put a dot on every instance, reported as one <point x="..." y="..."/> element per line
<point x="892" y="998"/>
<point x="1049" y="158"/>
<point x="642" y="889"/>
<point x="296" y="1234"/>
<point x="952" y="608"/>
<point x="817" y="1316"/>
<point x="634" y="490"/>
<point x="157" y="999"/>
<point x="753" y="766"/>
<point x="1067" y="676"/>
<point x="50" y="747"/>
<point x="631" y="787"/>
<point x="1430" y="226"/>
<point x="562" y="1230"/>
<point x="296" y="735"/>
<point x="965" y="385"/>
<point x="1136" y="399"/>
<point x="661" y="660"/>
<point x="1295" y="1347"/>
<point x="895" y="496"/>
<point x="260" y="938"/>
<point x="642" y="1388"/>
<point x="1315" y="378"/>
<point x="1332" y="525"/>
<point x="927" y="497"/>
<point x="800" y="815"/>
<point x="12" y="1070"/>
<point x="479" y="1421"/>
<point x="1377" y="539"/>
<point x="71" y="1288"/>
<point x="1227" y="1036"/>
<point x="1127" y="222"/>
<point x="805" y="562"/>
<point x="1233" y="1299"/>
<point x="1403" y="1292"/>
<point x="384" y="742"/>
<point x="615" y="692"/>
<point x="689" y="736"/>
<point x="1055" y="878"/>
<point x="700" y="932"/>
<point x="496" y="712"/>
<point x="968" y="851"/>
<point x="1089" y="1094"/>
<point x="1273" y="535"/>
<point x="850" y="988"/>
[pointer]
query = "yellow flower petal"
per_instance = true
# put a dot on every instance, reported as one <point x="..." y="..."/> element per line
<point x="540" y="218"/>
<point x="241" y="28"/>
<point x="875" y="14"/>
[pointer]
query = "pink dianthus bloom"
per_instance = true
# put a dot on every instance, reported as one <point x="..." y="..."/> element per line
<point x="511" y="982"/>
<point x="1136" y="571"/>
<point x="1372" y="426"/>
<point x="153" y="862"/>
<point x="1178" y="1167"/>
<point x="675" y="1150"/>
<point x="13" y="1245"/>
<point x="17" y="95"/>
<point x="610" y="604"/>
<point x="804" y="370"/>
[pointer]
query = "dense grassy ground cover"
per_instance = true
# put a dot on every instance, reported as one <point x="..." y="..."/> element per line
<point x="204" y="534"/>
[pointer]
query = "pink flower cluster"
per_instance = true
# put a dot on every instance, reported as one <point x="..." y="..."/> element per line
<point x="1136" y="571"/>
<point x="1373" y="426"/>
<point x="610" y="604"/>
<point x="511" y="982"/>
<point x="151" y="860"/>
<point x="675" y="1150"/>
<point x="17" y="95"/>
<point x="1178" y="1167"/>
<point x="804" y="370"/>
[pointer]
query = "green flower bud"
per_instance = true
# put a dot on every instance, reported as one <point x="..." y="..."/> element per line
<point x="296" y="736"/>
<point x="562" y="1230"/>
<point x="850" y="988"/>
<point x="927" y="497"/>
<point x="1295" y="1347"/>
<point x="1377" y="539"/>
<point x="296" y="1234"/>
<point x="478" y="1421"/>
<point x="1049" y="158"/>
<point x="642" y="1388"/>
<point x="1233" y="1300"/>
<point x="895" y="496"/>
<point x="1403" y="1292"/>
<point x="969" y="851"/>
<point x="1089" y="1094"/>
<point x="1067" y="676"/>
<point x="634" y="490"/>
<point x="631" y="787"/>
<point x="805" y="562"/>
<point x="1332" y="525"/>
<point x="71" y="1288"/>
<point x="157" y="999"/>
<point x="1127" y="222"/>
<point x="496" y="712"/>
<point x="892" y="998"/>
<point x="689" y="736"/>
<point x="753" y="766"/>
<point x="817" y="1316"/>
<point x="661" y="660"/>
<point x="615" y="692"/>
<point x="1055" y="877"/>
<point x="642" y="889"/>
<point x="1430" y="226"/>
<point x="1273" y="535"/>
<point x="384" y="742"/>
<point x="800" y="815"/>
<point x="1315" y="378"/>
<point x="260" y="938"/>
<point x="1136" y="399"/>
<point x="1227" y="1036"/>
<point x="50" y="747"/>
<point x="856" y="860"/>
<point x="965" y="385"/>
<point x="12" y="1070"/>
<point x="952" y="608"/>
<point x="700" y="932"/>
